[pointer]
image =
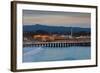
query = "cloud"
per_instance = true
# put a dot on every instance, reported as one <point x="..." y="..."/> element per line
<point x="52" y="18"/>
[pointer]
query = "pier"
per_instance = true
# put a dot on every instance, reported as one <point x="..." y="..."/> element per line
<point x="61" y="43"/>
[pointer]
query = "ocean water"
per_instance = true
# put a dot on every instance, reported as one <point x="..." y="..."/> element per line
<point x="43" y="54"/>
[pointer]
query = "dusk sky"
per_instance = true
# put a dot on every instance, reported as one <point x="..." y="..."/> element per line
<point x="52" y="18"/>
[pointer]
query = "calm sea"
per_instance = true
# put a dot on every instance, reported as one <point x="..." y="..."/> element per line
<point x="38" y="54"/>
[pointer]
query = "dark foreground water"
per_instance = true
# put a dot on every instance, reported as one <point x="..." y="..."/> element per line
<point x="38" y="54"/>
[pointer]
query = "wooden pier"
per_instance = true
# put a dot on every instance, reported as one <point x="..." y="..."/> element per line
<point x="66" y="43"/>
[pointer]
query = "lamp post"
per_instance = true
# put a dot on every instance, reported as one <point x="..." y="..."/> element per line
<point x="71" y="32"/>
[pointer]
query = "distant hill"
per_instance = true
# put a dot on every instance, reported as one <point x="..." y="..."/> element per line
<point x="53" y="29"/>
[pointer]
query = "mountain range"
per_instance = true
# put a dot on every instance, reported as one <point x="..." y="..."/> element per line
<point x="54" y="29"/>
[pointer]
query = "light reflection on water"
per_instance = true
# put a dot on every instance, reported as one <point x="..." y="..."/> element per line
<point x="38" y="54"/>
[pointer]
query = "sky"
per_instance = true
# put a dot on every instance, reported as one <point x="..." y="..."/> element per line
<point x="53" y="18"/>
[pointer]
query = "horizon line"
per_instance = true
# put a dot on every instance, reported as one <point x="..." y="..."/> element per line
<point x="54" y="25"/>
